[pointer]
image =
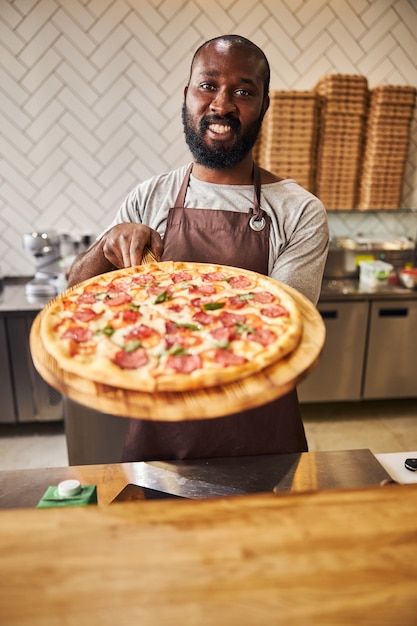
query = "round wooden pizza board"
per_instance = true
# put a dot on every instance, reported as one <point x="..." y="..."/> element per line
<point x="252" y="391"/>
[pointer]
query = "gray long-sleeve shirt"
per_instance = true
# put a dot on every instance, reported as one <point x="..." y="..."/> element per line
<point x="299" y="234"/>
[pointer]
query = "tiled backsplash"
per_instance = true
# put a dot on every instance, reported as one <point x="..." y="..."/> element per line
<point x="373" y="224"/>
<point x="92" y="92"/>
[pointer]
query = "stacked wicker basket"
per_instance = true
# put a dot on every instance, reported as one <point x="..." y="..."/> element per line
<point x="343" y="142"/>
<point x="287" y="142"/>
<point x="343" y="111"/>
<point x="387" y="138"/>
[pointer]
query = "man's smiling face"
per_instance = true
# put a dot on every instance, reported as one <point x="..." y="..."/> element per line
<point x="224" y="104"/>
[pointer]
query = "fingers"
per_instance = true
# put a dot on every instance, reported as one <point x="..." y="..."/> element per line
<point x="156" y="245"/>
<point x="123" y="245"/>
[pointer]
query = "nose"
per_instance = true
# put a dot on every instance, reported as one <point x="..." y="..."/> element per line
<point x="223" y="102"/>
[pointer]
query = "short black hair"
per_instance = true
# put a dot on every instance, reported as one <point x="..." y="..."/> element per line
<point x="237" y="41"/>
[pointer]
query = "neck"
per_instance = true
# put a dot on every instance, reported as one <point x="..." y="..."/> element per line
<point x="241" y="174"/>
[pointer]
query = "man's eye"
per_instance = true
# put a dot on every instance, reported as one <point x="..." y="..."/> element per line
<point x="242" y="92"/>
<point x="206" y="86"/>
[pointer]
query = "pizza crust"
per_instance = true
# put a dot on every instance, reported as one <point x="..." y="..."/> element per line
<point x="98" y="365"/>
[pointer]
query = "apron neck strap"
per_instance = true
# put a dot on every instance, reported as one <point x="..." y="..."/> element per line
<point x="179" y="202"/>
<point x="257" y="189"/>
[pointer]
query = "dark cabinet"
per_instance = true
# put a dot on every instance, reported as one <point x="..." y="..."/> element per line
<point x="25" y="396"/>
<point x="7" y="407"/>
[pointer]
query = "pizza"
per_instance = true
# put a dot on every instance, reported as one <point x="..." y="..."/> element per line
<point x="171" y="326"/>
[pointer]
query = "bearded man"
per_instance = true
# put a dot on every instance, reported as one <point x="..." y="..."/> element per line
<point x="220" y="208"/>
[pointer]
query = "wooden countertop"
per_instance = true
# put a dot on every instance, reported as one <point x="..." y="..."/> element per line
<point x="325" y="557"/>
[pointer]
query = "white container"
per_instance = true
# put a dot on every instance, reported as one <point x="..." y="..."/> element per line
<point x="374" y="274"/>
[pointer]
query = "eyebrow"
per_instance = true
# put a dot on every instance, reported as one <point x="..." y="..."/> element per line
<point x="214" y="74"/>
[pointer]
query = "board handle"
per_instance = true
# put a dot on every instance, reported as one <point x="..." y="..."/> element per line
<point x="148" y="257"/>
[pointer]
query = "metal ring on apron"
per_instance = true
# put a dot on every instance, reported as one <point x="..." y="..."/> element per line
<point x="257" y="224"/>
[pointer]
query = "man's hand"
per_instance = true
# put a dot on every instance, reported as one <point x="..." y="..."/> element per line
<point x="121" y="246"/>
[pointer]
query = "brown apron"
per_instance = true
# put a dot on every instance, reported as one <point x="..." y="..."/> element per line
<point x="239" y="240"/>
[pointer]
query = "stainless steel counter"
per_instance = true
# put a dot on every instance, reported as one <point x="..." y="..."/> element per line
<point x="204" y="478"/>
<point x="349" y="289"/>
<point x="13" y="299"/>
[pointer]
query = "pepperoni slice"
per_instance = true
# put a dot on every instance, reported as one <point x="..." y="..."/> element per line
<point x="86" y="315"/>
<point x="184" y="363"/>
<point x="202" y="290"/>
<point x="180" y="277"/>
<point x="143" y="279"/>
<point x="201" y="317"/>
<point x="228" y="358"/>
<point x="170" y="327"/>
<point x="130" y="316"/>
<point x="86" y="298"/>
<point x="140" y="332"/>
<point x="130" y="360"/>
<point x="182" y="337"/>
<point x="156" y="289"/>
<point x="230" y="319"/>
<point x="264" y="336"/>
<point x="198" y="302"/>
<point x="264" y="297"/>
<point x="275" y="310"/>
<point x="222" y="333"/>
<point x="80" y="334"/>
<point x="239" y="282"/>
<point x="235" y="302"/>
<point x="211" y="277"/>
<point x="117" y="286"/>
<point x="121" y="298"/>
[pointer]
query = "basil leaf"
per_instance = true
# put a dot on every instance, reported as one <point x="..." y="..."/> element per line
<point x="212" y="306"/>
<point x="131" y="346"/>
<point x="241" y="328"/>
<point x="106" y="330"/>
<point x="224" y="344"/>
<point x="188" y="325"/>
<point x="177" y="349"/>
<point x="164" y="296"/>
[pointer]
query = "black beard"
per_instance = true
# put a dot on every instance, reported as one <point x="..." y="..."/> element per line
<point x="217" y="157"/>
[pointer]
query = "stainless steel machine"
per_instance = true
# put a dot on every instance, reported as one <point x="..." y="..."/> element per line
<point x="45" y="247"/>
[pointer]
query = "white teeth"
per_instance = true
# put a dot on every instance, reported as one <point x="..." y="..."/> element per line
<point x="219" y="128"/>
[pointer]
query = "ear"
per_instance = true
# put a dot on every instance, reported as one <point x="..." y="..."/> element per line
<point x="265" y="105"/>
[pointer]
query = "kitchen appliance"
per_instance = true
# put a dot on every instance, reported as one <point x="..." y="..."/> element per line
<point x="45" y="247"/>
<point x="346" y="253"/>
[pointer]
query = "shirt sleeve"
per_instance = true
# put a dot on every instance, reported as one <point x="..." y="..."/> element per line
<point x="300" y="263"/>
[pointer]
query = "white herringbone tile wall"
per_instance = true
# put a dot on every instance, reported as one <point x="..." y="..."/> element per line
<point x="91" y="91"/>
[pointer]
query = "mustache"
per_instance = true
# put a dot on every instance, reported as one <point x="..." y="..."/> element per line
<point x="226" y="120"/>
